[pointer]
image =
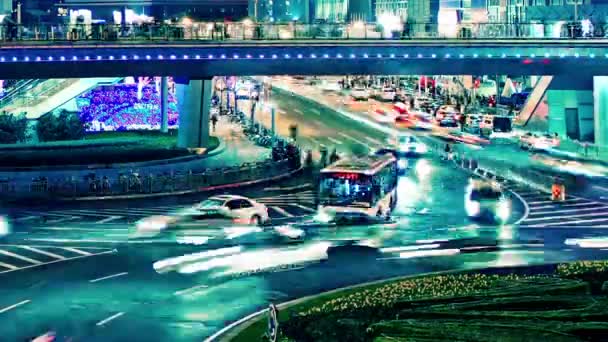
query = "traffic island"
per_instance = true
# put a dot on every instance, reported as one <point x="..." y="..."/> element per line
<point x="564" y="302"/>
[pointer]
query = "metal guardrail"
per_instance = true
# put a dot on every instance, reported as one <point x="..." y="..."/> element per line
<point x="137" y="183"/>
<point x="218" y="31"/>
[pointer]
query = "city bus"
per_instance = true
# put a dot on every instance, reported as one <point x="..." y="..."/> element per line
<point x="356" y="188"/>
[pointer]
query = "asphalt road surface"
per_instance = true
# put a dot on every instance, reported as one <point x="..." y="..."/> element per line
<point x="79" y="271"/>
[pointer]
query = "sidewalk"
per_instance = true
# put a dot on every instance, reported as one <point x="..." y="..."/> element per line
<point x="234" y="149"/>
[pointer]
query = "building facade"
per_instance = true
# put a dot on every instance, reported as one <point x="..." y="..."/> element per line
<point x="391" y="7"/>
<point x="280" y="11"/>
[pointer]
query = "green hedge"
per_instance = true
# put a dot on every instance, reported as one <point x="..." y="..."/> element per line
<point x="96" y="154"/>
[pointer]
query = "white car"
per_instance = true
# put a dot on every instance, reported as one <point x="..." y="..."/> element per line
<point x="486" y="200"/>
<point x="359" y="93"/>
<point x="409" y="144"/>
<point x="214" y="211"/>
<point x="5" y="226"/>
<point x="388" y="94"/>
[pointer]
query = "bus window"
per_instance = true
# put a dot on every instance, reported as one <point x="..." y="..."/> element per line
<point x="337" y="189"/>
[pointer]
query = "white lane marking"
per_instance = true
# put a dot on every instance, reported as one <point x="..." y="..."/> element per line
<point x="78" y="229"/>
<point x="98" y="241"/>
<point x="40" y="251"/>
<point x="297" y="111"/>
<point x="21" y="257"/>
<point x="232" y="325"/>
<point x="549" y="201"/>
<point x="335" y="141"/>
<point x="108" y="219"/>
<point x="566" y="205"/>
<point x="303" y="207"/>
<point x="567" y="223"/>
<point x="567" y="217"/>
<point x="526" y="208"/>
<point x="26" y="218"/>
<point x="190" y="289"/>
<point x="69" y="218"/>
<point x="295" y="187"/>
<point x="529" y="193"/>
<point x="9" y="266"/>
<point x="76" y="250"/>
<point x="599" y="226"/>
<point x="54" y="246"/>
<point x="108" y="277"/>
<point x="282" y="211"/>
<point x="600" y="188"/>
<point x="56" y="261"/>
<point x="11" y="307"/>
<point x="346" y="136"/>
<point x="553" y="212"/>
<point x="374" y="141"/>
<point x="315" y="111"/>
<point x="316" y="142"/>
<point x="111" y="318"/>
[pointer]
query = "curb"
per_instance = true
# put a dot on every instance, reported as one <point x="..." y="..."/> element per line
<point x="219" y="149"/>
<point x="184" y="192"/>
<point x="229" y="332"/>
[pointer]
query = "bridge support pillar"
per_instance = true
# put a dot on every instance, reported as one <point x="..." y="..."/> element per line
<point x="164" y="94"/>
<point x="600" y="118"/>
<point x="194" y="101"/>
<point x="571" y="107"/>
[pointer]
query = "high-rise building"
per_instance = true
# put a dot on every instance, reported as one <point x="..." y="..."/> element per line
<point x="422" y="16"/>
<point x="331" y="10"/>
<point x="396" y="8"/>
<point x="280" y="11"/>
<point x="163" y="9"/>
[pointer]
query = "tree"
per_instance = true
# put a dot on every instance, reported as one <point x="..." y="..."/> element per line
<point x="12" y="128"/>
<point x="63" y="126"/>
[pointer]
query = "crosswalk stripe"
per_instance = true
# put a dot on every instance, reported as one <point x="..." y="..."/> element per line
<point x="566" y="205"/>
<point x="566" y="217"/>
<point x="282" y="211"/>
<point x="552" y="212"/>
<point x="108" y="219"/>
<point x="26" y="218"/>
<point x="76" y="250"/>
<point x="71" y="218"/>
<point x="39" y="251"/>
<point x="568" y="222"/>
<point x="20" y="257"/>
<point x="304" y="208"/>
<point x="9" y="266"/>
<point x="549" y="201"/>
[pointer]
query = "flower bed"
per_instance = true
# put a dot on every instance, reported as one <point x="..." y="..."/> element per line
<point x="440" y="307"/>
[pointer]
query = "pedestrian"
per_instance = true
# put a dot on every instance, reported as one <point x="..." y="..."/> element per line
<point x="214" y="120"/>
<point x="448" y="151"/>
<point x="462" y="121"/>
<point x="334" y="157"/>
<point x="105" y="185"/>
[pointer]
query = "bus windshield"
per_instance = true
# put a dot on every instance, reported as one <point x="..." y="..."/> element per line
<point x="345" y="189"/>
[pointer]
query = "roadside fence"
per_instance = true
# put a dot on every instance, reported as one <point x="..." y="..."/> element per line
<point x="139" y="183"/>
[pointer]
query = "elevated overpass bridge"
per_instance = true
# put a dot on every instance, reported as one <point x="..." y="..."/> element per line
<point x="199" y="59"/>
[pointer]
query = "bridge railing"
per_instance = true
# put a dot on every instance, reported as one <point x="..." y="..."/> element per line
<point x="218" y="31"/>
